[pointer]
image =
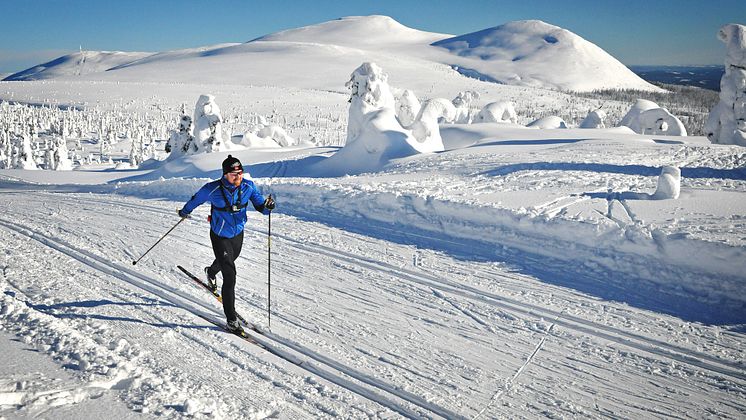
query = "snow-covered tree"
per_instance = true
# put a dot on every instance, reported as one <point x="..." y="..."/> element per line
<point x="646" y="117"/>
<point x="726" y="123"/>
<point x="501" y="112"/>
<point x="26" y="154"/>
<point x="462" y="102"/>
<point x="181" y="142"/>
<point x="594" y="119"/>
<point x="61" y="156"/>
<point x="669" y="184"/>
<point x="208" y="128"/>
<point x="425" y="127"/>
<point x="407" y="108"/>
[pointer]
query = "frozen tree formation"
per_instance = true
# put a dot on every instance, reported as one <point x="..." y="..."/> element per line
<point x="208" y="126"/>
<point x="462" y="102"/>
<point x="726" y="123"/>
<point x="425" y="128"/>
<point x="370" y="95"/>
<point x="548" y="123"/>
<point x="374" y="134"/>
<point x="60" y="155"/>
<point x="500" y="112"/>
<point x="646" y="117"/>
<point x="407" y="108"/>
<point x="267" y="135"/>
<point x="181" y="142"/>
<point x="669" y="184"/>
<point x="594" y="119"/>
<point x="26" y="156"/>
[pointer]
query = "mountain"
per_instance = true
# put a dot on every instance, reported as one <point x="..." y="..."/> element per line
<point x="535" y="53"/>
<point x="373" y="32"/>
<point x="76" y="64"/>
<point x="322" y="56"/>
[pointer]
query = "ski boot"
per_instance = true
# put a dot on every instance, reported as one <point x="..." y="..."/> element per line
<point x="235" y="327"/>
<point x="211" y="280"/>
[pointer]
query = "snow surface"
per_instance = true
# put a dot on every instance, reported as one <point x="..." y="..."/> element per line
<point x="517" y="273"/>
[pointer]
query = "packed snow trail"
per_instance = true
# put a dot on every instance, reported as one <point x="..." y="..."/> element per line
<point x="446" y="332"/>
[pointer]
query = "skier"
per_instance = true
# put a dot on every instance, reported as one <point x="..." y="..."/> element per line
<point x="229" y="197"/>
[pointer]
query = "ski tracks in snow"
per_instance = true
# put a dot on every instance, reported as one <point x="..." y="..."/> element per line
<point x="294" y="353"/>
<point x="393" y="395"/>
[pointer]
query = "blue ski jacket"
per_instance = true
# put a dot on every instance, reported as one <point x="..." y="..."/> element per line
<point x="228" y="205"/>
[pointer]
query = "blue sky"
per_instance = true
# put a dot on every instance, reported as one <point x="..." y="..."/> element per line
<point x="634" y="31"/>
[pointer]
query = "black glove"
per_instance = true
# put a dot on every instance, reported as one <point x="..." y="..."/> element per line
<point x="182" y="214"/>
<point x="269" y="203"/>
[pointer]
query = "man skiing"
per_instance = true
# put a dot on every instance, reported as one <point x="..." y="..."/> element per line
<point x="229" y="197"/>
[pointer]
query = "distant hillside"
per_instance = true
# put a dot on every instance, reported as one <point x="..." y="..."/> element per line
<point x="535" y="53"/>
<point x="76" y="64"/>
<point x="707" y="77"/>
<point x="322" y="56"/>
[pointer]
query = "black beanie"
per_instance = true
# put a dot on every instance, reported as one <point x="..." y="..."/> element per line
<point x="231" y="164"/>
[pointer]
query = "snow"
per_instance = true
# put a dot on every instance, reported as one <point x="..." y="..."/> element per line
<point x="509" y="272"/>
<point x="646" y="117"/>
<point x="515" y="52"/>
<point x="727" y="121"/>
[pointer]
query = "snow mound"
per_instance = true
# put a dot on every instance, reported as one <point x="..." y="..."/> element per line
<point x="548" y="123"/>
<point x="646" y="117"/>
<point x="373" y="32"/>
<point x="594" y="119"/>
<point x="502" y="111"/>
<point x="79" y="63"/>
<point x="535" y="53"/>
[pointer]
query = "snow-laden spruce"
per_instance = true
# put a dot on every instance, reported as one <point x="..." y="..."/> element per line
<point x="208" y="126"/>
<point x="375" y="135"/>
<point x="726" y="123"/>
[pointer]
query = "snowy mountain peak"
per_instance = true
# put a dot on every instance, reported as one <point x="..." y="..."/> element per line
<point x="374" y="30"/>
<point x="536" y="53"/>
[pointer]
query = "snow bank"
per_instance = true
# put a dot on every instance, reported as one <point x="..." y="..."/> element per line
<point x="646" y="117"/>
<point x="726" y="123"/>
<point x="704" y="271"/>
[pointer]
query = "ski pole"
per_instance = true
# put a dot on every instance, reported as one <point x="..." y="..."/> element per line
<point x="269" y="268"/>
<point x="159" y="240"/>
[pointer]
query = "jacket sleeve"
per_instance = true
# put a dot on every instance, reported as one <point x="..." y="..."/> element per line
<point x="257" y="199"/>
<point x="197" y="199"/>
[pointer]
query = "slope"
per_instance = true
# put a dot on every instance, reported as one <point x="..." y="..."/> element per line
<point x="364" y="327"/>
<point x="523" y="53"/>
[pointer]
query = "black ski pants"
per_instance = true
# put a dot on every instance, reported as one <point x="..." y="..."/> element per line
<point x="226" y="252"/>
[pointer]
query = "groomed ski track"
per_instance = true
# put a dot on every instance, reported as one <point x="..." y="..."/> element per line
<point x="367" y="326"/>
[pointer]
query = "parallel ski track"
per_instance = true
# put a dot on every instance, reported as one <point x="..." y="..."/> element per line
<point x="631" y="340"/>
<point x="190" y="304"/>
